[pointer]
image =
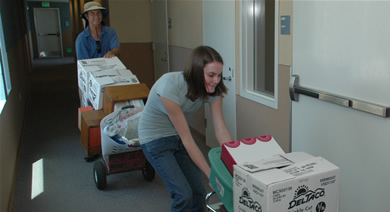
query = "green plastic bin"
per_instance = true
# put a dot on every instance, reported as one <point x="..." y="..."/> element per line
<point x="220" y="178"/>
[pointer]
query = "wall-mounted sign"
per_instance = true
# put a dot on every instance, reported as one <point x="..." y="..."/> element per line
<point x="45" y="4"/>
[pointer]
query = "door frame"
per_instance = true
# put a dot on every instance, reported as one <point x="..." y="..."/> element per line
<point x="37" y="34"/>
<point x="213" y="39"/>
<point x="158" y="43"/>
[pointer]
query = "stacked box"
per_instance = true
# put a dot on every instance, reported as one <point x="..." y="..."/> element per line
<point x="291" y="182"/>
<point x="268" y="180"/>
<point x="90" y="131"/>
<point x="82" y="109"/>
<point x="96" y="85"/>
<point x="87" y="66"/>
<point x="116" y="97"/>
<point x="84" y="100"/>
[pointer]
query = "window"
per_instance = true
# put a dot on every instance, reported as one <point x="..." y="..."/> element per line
<point x="259" y="51"/>
<point x="5" y="81"/>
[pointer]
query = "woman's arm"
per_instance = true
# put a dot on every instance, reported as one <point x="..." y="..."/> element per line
<point x="179" y="121"/>
<point x="221" y="132"/>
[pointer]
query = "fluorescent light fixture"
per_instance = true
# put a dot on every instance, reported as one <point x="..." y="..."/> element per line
<point x="37" y="184"/>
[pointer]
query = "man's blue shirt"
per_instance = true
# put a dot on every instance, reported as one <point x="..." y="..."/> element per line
<point x="87" y="48"/>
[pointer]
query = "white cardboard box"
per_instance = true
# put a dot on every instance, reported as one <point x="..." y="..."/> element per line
<point x="293" y="182"/>
<point x="84" y="100"/>
<point x="84" y="67"/>
<point x="83" y="75"/>
<point x="250" y="149"/>
<point x="96" y="84"/>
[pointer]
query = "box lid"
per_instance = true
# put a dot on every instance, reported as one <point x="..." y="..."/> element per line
<point x="312" y="166"/>
<point x="125" y="72"/>
<point x="101" y="81"/>
<point x="91" y="68"/>
<point x="276" y="161"/>
<point x="250" y="149"/>
<point x="105" y="73"/>
<point x="125" y="79"/>
<point x="102" y="63"/>
<point x="264" y="164"/>
<point x="308" y="165"/>
<point x="112" y="72"/>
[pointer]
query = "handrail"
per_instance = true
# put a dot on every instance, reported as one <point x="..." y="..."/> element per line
<point x="371" y="108"/>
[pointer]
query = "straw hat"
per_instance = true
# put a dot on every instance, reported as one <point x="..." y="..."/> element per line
<point x="93" y="5"/>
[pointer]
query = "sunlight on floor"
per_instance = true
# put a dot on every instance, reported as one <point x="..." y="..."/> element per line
<point x="37" y="184"/>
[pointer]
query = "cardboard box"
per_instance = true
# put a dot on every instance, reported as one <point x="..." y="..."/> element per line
<point x="118" y="96"/>
<point x="96" y="84"/>
<point x="90" y="131"/>
<point x="83" y="76"/>
<point x="87" y="66"/>
<point x="294" y="182"/>
<point x="82" y="109"/>
<point x="84" y="100"/>
<point x="250" y="149"/>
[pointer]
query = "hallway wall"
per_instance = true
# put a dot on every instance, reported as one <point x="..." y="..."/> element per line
<point x="11" y="118"/>
<point x="133" y="22"/>
<point x="185" y="35"/>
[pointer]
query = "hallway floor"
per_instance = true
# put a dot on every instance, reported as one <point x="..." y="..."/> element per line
<point x="51" y="135"/>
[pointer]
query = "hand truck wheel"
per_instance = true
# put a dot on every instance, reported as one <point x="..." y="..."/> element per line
<point x="148" y="171"/>
<point x="99" y="175"/>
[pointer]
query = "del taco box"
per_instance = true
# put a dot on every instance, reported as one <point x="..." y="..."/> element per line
<point x="292" y="182"/>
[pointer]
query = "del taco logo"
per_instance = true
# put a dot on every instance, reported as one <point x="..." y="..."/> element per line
<point x="247" y="201"/>
<point x="303" y="195"/>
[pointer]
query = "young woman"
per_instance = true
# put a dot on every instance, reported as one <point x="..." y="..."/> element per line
<point x="164" y="133"/>
<point x="96" y="40"/>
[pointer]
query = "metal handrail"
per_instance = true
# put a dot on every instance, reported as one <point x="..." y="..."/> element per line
<point x="371" y="108"/>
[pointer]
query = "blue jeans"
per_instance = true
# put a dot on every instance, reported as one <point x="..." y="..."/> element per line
<point x="179" y="173"/>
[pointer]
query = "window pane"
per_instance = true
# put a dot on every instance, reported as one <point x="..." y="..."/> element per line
<point x="264" y="47"/>
<point x="2" y="84"/>
<point x="5" y="81"/>
<point x="259" y="51"/>
<point x="3" y="97"/>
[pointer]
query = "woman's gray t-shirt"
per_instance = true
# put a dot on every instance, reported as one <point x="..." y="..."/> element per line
<point x="154" y="122"/>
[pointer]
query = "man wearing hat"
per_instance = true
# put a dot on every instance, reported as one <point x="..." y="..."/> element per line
<point x="96" y="40"/>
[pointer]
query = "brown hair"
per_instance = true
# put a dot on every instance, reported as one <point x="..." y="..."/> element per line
<point x="194" y="73"/>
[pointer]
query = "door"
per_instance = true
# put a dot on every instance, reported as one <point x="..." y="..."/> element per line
<point x="48" y="29"/>
<point x="219" y="31"/>
<point x="160" y="37"/>
<point x="342" y="48"/>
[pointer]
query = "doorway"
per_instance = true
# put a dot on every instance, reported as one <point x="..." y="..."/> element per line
<point x="48" y="32"/>
<point x="160" y="38"/>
